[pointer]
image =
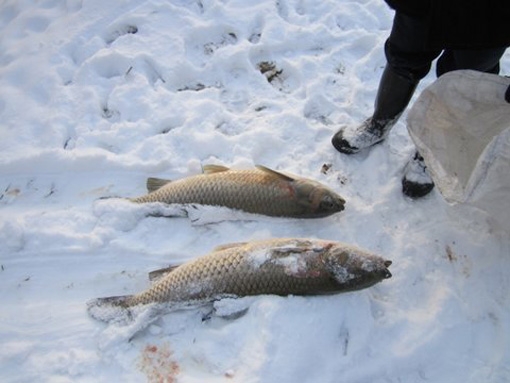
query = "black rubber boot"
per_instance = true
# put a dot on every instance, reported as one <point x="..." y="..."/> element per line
<point x="393" y="96"/>
<point x="417" y="182"/>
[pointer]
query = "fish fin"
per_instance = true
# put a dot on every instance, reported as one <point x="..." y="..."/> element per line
<point x="160" y="273"/>
<point x="154" y="184"/>
<point x="285" y="251"/>
<point x="275" y="173"/>
<point x="110" y="308"/>
<point x="231" y="308"/>
<point x="229" y="246"/>
<point x="211" y="169"/>
<point x="296" y="248"/>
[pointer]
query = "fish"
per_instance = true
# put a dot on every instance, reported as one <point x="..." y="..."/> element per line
<point x="281" y="266"/>
<point x="259" y="191"/>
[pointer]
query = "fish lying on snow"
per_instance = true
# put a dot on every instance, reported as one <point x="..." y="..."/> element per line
<point x="277" y="266"/>
<point x="259" y="191"/>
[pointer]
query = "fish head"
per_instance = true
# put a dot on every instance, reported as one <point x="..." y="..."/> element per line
<point x="354" y="268"/>
<point x="317" y="200"/>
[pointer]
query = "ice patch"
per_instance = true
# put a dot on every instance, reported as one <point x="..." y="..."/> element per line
<point x="232" y="308"/>
<point x="368" y="266"/>
<point x="292" y="256"/>
<point x="124" y="215"/>
<point x="203" y="214"/>
<point x="293" y="264"/>
<point x="259" y="257"/>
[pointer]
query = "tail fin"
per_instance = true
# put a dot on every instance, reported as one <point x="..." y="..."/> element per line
<point x="110" y="309"/>
<point x="124" y="320"/>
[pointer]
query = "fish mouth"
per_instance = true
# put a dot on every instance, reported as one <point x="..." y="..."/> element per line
<point x="386" y="273"/>
<point x="337" y="208"/>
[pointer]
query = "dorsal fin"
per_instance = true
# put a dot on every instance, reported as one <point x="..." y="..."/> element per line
<point x="298" y="246"/>
<point x="157" y="274"/>
<point x="210" y="169"/>
<point x="229" y="246"/>
<point x="156" y="183"/>
<point x="275" y="173"/>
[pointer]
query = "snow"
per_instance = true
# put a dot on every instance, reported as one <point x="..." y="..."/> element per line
<point x="97" y="96"/>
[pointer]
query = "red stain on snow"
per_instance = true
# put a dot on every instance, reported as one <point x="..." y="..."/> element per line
<point x="158" y="365"/>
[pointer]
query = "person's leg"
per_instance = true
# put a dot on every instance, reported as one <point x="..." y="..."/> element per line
<point x="408" y="63"/>
<point x="484" y="60"/>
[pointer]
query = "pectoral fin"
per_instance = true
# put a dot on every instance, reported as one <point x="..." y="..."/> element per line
<point x="274" y="173"/>
<point x="154" y="184"/>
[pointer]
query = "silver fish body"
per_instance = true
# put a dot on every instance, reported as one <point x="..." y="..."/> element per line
<point x="277" y="266"/>
<point x="259" y="191"/>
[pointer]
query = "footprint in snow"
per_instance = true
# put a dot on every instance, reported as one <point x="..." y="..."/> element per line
<point x="282" y="78"/>
<point x="204" y="42"/>
<point x="120" y="31"/>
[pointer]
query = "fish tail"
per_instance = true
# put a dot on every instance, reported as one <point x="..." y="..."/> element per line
<point x="110" y="308"/>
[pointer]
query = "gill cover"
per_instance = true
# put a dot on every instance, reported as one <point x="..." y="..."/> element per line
<point x="318" y="199"/>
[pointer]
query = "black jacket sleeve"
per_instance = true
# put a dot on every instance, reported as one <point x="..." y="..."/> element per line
<point x="413" y="8"/>
<point x="460" y="24"/>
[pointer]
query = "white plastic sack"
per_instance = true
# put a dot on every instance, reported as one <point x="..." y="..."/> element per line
<point x="461" y="126"/>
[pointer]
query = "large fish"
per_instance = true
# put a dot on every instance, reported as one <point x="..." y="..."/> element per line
<point x="277" y="266"/>
<point x="260" y="191"/>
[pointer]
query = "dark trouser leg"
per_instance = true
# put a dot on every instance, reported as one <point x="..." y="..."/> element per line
<point x="406" y="49"/>
<point x="393" y="96"/>
<point x="484" y="60"/>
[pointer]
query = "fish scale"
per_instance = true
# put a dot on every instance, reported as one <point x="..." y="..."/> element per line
<point x="277" y="266"/>
<point x="259" y="191"/>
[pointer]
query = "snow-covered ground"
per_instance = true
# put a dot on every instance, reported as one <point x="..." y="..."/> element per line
<point x="96" y="96"/>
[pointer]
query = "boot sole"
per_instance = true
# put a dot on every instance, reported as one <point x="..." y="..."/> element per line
<point x="349" y="149"/>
